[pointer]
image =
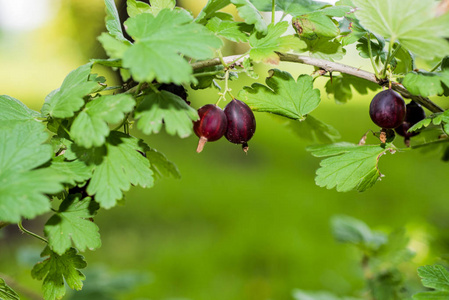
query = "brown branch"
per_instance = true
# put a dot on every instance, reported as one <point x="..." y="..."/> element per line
<point x="330" y="67"/>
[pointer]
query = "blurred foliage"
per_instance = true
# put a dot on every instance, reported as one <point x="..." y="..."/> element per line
<point x="235" y="226"/>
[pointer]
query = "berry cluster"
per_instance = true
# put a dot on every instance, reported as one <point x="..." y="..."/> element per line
<point x="388" y="110"/>
<point x="236" y="122"/>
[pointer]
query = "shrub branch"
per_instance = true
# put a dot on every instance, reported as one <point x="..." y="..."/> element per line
<point x="330" y="67"/>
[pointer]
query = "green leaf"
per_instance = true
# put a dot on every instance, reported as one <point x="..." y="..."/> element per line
<point x="411" y="22"/>
<point x="22" y="151"/>
<point x="233" y="31"/>
<point x="13" y="110"/>
<point x="161" y="166"/>
<point x="250" y="14"/>
<point x="71" y="172"/>
<point x="314" y="130"/>
<point x="356" y="31"/>
<point x="283" y="96"/>
<point x="165" y="108"/>
<point x="71" y="224"/>
<point x="315" y="24"/>
<point x="346" y="229"/>
<point x="431" y="296"/>
<point x="377" y="48"/>
<point x="7" y="293"/>
<point x="135" y="7"/>
<point x="349" y="167"/>
<point x="210" y="9"/>
<point x="336" y="11"/>
<point x="325" y="48"/>
<point x="340" y="87"/>
<point x="294" y="8"/>
<point x="262" y="48"/>
<point x="116" y="166"/>
<point x="65" y="101"/>
<point x="435" y="277"/>
<point x="160" y="40"/>
<point x="112" y="20"/>
<point x="112" y="63"/>
<point x="404" y="61"/>
<point x="59" y="268"/>
<point x="113" y="47"/>
<point x="90" y="127"/>
<point x="425" y="83"/>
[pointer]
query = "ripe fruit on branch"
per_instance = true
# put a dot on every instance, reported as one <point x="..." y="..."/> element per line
<point x="211" y="126"/>
<point x="178" y="90"/>
<point x="241" y="123"/>
<point x="414" y="113"/>
<point x="387" y="109"/>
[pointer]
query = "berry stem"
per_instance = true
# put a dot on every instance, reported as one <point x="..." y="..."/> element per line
<point x="273" y="11"/>
<point x="227" y="90"/>
<point x="201" y="144"/>
<point x="31" y="233"/>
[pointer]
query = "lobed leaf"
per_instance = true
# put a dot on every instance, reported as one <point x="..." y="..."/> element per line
<point x="114" y="48"/>
<point x="13" y="110"/>
<point x="161" y="166"/>
<point x="90" y="127"/>
<point x="72" y="172"/>
<point x="22" y="150"/>
<point x="57" y="269"/>
<point x="233" y="31"/>
<point x="250" y="14"/>
<point x="310" y="26"/>
<point x="263" y="48"/>
<point x="426" y="83"/>
<point x="160" y="40"/>
<point x="116" y="165"/>
<point x="210" y="9"/>
<point x="435" y="277"/>
<point x="135" y="7"/>
<point x="71" y="224"/>
<point x="349" y="167"/>
<point x="411" y="22"/>
<point x="283" y="95"/>
<point x="165" y="108"/>
<point x="65" y="101"/>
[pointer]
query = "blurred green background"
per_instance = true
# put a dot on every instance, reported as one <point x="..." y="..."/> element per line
<point x="235" y="226"/>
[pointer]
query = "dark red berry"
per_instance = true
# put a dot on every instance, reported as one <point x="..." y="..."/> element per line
<point x="387" y="109"/>
<point x="414" y="113"/>
<point x="241" y="123"/>
<point x="211" y="126"/>
<point x="178" y="90"/>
